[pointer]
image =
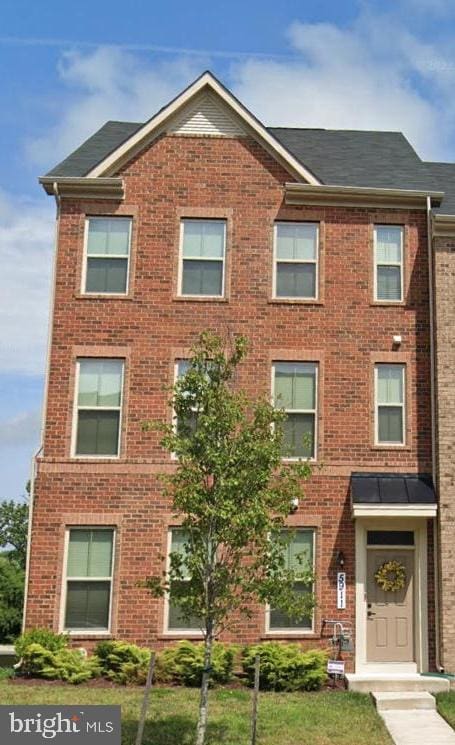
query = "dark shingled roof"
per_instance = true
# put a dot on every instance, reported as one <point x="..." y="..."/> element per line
<point x="336" y="157"/>
<point x="392" y="488"/>
<point x="95" y="149"/>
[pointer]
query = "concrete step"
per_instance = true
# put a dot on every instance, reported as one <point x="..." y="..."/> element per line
<point x="403" y="700"/>
<point x="405" y="683"/>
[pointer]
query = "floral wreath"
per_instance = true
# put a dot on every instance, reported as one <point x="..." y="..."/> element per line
<point x="391" y="576"/>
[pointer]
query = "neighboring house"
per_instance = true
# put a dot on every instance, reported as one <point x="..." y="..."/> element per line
<point x="315" y="245"/>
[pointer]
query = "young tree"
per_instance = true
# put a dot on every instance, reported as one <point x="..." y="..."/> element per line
<point x="13" y="530"/>
<point x="232" y="492"/>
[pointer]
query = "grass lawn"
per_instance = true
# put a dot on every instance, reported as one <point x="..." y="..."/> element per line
<point x="446" y="706"/>
<point x="324" y="718"/>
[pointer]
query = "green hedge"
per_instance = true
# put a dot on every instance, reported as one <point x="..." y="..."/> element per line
<point x="70" y="665"/>
<point x="184" y="664"/>
<point x="285" y="667"/>
<point x="122" y="662"/>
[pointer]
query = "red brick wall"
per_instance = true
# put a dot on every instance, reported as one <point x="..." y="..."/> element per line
<point x="346" y="331"/>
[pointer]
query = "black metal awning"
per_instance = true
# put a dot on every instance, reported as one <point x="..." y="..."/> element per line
<point x="392" y="488"/>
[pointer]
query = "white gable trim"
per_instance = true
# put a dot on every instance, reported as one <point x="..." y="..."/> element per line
<point x="156" y="123"/>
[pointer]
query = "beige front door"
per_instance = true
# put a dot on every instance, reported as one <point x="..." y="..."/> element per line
<point x="390" y="615"/>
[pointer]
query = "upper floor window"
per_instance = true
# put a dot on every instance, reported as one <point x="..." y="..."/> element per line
<point x="296" y="260"/>
<point x="388" y="260"/>
<point x="98" y="407"/>
<point x="390" y="404"/>
<point x="299" y="557"/>
<point x="295" y="391"/>
<point x="88" y="580"/>
<point x="107" y="255"/>
<point x="181" y="368"/>
<point x="202" y="258"/>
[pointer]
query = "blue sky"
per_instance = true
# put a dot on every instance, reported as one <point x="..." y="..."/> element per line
<point x="65" y="68"/>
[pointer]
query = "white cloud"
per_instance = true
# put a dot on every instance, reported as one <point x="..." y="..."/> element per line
<point x="370" y="76"/>
<point x="22" y="429"/>
<point x="26" y="244"/>
<point x="109" y="83"/>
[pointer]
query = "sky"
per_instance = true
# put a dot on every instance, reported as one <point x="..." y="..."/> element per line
<point x="66" y="68"/>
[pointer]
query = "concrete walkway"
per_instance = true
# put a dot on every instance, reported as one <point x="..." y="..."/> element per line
<point x="418" y="727"/>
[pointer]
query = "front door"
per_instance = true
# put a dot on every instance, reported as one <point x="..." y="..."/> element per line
<point x="390" y="615"/>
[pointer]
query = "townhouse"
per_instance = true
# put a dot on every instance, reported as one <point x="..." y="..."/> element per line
<point x="318" y="246"/>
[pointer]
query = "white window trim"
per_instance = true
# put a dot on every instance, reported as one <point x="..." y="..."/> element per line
<point x="277" y="261"/>
<point x="65" y="579"/>
<point x="314" y="411"/>
<point x="76" y="409"/>
<point x="221" y="259"/>
<point x="399" y="264"/>
<point x="183" y="632"/>
<point x="127" y="256"/>
<point x="401" y="405"/>
<point x="293" y="631"/>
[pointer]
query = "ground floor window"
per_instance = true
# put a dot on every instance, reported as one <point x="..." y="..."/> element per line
<point x="174" y="618"/>
<point x="88" y="579"/>
<point x="300" y="549"/>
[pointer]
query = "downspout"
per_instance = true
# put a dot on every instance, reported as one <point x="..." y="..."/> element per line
<point x="44" y="408"/>
<point x="439" y="666"/>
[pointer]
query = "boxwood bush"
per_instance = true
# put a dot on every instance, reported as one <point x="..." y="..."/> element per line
<point x="184" y="664"/>
<point x="70" y="665"/>
<point x="285" y="667"/>
<point x="46" y="638"/>
<point x="122" y="662"/>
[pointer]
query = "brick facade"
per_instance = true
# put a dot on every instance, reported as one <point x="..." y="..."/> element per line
<point x="444" y="263"/>
<point x="345" y="331"/>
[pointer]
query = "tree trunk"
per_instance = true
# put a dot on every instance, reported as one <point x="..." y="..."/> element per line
<point x="203" y="701"/>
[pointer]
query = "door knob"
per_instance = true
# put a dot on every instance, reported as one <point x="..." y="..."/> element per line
<point x="369" y="605"/>
<point x="370" y="614"/>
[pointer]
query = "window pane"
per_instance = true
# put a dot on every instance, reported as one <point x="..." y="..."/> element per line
<point x="78" y="547"/>
<point x="388" y="283"/>
<point x="388" y="244"/>
<point x="300" y="551"/>
<point x="390" y="538"/>
<point x="298" y="437"/>
<point x="295" y="385"/>
<point x="390" y="384"/>
<point x="106" y="275"/>
<point x="296" y="241"/>
<point x="89" y="553"/>
<point x="87" y="605"/>
<point x="279" y="620"/>
<point x="203" y="238"/>
<point x="296" y="280"/>
<point x="390" y="424"/>
<point x="97" y="432"/>
<point x="100" y="382"/>
<point x="175" y="618"/>
<point x="202" y="277"/>
<point x="108" y="236"/>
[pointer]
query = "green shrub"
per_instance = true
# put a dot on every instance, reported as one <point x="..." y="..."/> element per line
<point x="46" y="638"/>
<point x="285" y="667"/>
<point x="11" y="599"/>
<point x="184" y="664"/>
<point x="69" y="665"/>
<point x="122" y="662"/>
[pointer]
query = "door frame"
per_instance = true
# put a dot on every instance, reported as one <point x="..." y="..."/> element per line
<point x="419" y="526"/>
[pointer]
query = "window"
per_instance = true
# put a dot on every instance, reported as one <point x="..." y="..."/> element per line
<point x="296" y="260"/>
<point x="390" y="404"/>
<point x="388" y="243"/>
<point x="181" y="368"/>
<point x="98" y="409"/>
<point x="299" y="557"/>
<point x="175" y="621"/>
<point x="89" y="579"/>
<point x="107" y="255"/>
<point x="203" y="248"/>
<point x="295" y="390"/>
